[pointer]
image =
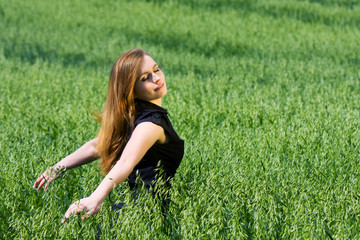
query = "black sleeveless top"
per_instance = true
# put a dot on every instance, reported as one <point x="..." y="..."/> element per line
<point x="166" y="157"/>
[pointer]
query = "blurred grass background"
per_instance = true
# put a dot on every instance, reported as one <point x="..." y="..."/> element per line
<point x="264" y="93"/>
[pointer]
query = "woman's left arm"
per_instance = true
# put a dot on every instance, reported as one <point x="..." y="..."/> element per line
<point x="143" y="137"/>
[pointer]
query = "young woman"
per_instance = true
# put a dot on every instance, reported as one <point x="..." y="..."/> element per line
<point x="135" y="136"/>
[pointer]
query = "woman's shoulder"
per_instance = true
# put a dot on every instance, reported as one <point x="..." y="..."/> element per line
<point x="148" y="112"/>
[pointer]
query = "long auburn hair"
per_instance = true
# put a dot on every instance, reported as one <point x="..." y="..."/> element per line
<point x="117" y="118"/>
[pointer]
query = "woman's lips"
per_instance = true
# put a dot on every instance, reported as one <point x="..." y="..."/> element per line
<point x="160" y="86"/>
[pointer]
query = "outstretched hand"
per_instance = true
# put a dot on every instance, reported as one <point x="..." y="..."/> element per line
<point x="88" y="205"/>
<point x="48" y="176"/>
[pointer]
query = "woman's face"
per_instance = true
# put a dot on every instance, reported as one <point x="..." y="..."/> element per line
<point x="151" y="85"/>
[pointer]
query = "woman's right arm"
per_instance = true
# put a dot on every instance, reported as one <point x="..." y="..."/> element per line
<point x="85" y="154"/>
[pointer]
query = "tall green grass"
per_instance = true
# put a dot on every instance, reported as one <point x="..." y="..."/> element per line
<point x="265" y="94"/>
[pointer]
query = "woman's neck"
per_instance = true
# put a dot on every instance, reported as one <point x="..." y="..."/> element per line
<point x="157" y="102"/>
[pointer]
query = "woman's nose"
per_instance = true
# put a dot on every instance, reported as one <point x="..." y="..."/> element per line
<point x="155" y="77"/>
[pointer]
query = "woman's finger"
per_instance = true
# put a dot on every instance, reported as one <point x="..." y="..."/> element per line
<point x="47" y="184"/>
<point x="87" y="214"/>
<point x="75" y="208"/>
<point x="35" y="184"/>
<point x="43" y="181"/>
<point x="38" y="181"/>
<point x="67" y="213"/>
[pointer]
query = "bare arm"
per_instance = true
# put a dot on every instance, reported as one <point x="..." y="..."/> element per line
<point x="143" y="137"/>
<point x="85" y="154"/>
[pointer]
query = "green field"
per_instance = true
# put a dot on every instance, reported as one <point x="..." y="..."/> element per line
<point x="266" y="95"/>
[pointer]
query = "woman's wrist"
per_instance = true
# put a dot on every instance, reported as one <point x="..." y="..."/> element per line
<point x="98" y="198"/>
<point x="102" y="190"/>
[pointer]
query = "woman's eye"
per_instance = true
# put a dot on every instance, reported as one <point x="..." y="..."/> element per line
<point x="145" y="78"/>
<point x="157" y="69"/>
